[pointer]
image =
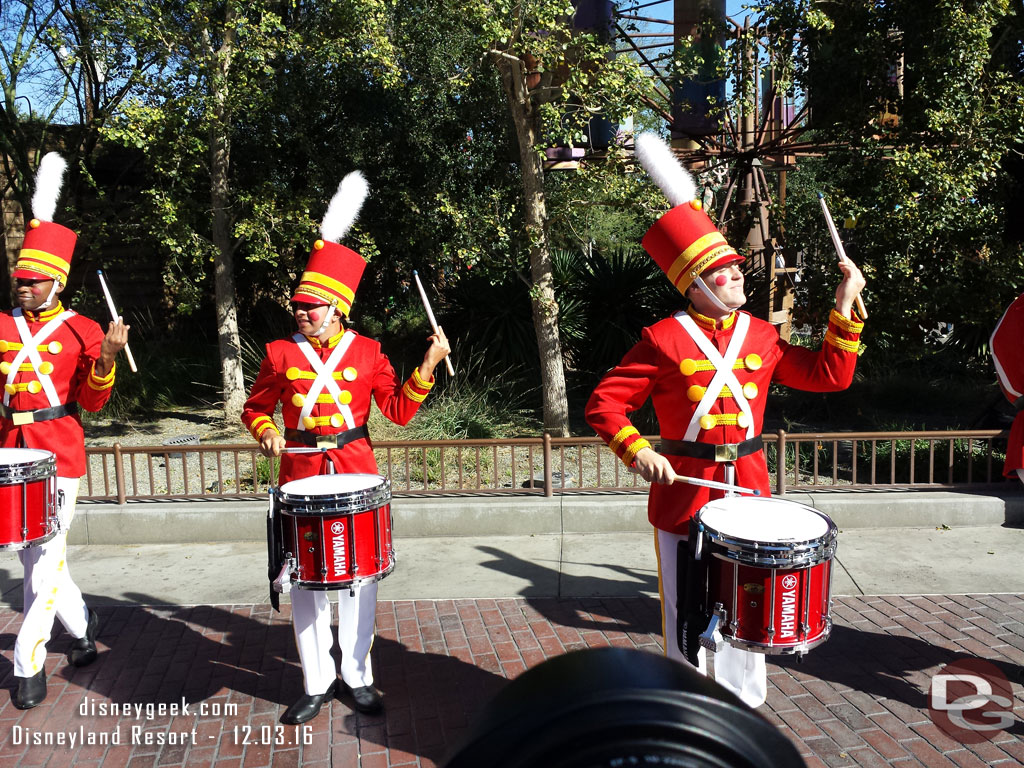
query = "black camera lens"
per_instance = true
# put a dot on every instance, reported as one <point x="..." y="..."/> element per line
<point x="616" y="708"/>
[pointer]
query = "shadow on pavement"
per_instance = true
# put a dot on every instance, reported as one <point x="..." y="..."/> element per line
<point x="884" y="666"/>
<point x="165" y="654"/>
<point x="600" y="596"/>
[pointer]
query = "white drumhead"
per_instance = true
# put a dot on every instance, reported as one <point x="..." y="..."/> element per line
<point x="757" y="519"/>
<point x="17" y="456"/>
<point x="331" y="485"/>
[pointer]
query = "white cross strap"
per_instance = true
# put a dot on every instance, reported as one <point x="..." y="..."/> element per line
<point x="724" y="375"/>
<point x="30" y="349"/>
<point x="325" y="378"/>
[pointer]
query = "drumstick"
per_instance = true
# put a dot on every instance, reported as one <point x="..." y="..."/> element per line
<point x="113" y="312"/>
<point x="430" y="316"/>
<point x="708" y="483"/>
<point x="861" y="309"/>
<point x="716" y="485"/>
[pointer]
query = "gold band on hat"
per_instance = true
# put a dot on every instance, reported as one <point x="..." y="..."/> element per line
<point x="311" y="289"/>
<point x="318" y="278"/>
<point x="691" y="262"/>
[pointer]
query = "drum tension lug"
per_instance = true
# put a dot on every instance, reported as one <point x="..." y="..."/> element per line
<point x="711" y="638"/>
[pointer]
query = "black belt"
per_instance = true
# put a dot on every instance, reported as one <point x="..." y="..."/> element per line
<point x="20" y="418"/>
<point x="339" y="440"/>
<point x="710" y="451"/>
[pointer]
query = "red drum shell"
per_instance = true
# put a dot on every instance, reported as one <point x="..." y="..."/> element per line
<point x="775" y="590"/>
<point x="338" y="529"/>
<point x="28" y="497"/>
<point x="771" y="610"/>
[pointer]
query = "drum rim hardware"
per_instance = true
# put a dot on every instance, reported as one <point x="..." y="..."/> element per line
<point x="781" y="555"/>
<point x="306" y="505"/>
<point x="28" y="471"/>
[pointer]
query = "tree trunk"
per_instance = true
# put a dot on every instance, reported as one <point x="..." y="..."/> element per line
<point x="542" y="294"/>
<point x="220" y="199"/>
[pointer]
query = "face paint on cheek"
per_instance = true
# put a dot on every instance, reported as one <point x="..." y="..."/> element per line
<point x="314" y="316"/>
<point x="721" y="280"/>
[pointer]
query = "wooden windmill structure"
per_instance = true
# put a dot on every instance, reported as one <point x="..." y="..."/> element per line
<point x="757" y="137"/>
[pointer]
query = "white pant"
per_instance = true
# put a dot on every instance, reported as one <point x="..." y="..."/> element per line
<point x="49" y="590"/>
<point x="741" y="672"/>
<point x="311" y="620"/>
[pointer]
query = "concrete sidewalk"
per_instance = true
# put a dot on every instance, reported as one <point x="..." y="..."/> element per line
<point x="891" y="561"/>
<point x="497" y="547"/>
<point x="185" y="623"/>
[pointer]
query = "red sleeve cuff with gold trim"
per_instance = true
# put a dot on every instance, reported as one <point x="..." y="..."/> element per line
<point x="627" y="443"/>
<point x="101" y="382"/>
<point x="416" y="389"/>
<point x="260" y="425"/>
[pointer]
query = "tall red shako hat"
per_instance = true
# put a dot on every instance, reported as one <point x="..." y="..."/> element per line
<point x="46" y="252"/>
<point x="333" y="271"/>
<point x="684" y="242"/>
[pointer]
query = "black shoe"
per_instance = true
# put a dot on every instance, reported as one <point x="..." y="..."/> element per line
<point x="367" y="699"/>
<point x="31" y="691"/>
<point x="307" y="707"/>
<point x="83" y="650"/>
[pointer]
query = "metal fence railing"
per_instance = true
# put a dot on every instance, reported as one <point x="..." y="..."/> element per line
<point x="546" y="465"/>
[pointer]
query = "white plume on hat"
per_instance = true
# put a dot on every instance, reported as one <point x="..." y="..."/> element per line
<point x="344" y="207"/>
<point x="664" y="169"/>
<point x="49" y="180"/>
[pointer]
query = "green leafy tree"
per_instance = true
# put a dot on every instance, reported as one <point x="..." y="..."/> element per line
<point x="67" y="68"/>
<point x="555" y="80"/>
<point x="922" y="105"/>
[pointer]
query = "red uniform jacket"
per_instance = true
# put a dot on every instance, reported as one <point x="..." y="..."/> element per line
<point x="1008" y="357"/>
<point x="71" y="350"/>
<point x="364" y="371"/>
<point x="668" y="366"/>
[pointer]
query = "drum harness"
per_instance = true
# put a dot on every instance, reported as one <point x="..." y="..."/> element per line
<point x="687" y="565"/>
<point x="30" y="349"/>
<point x="280" y="575"/>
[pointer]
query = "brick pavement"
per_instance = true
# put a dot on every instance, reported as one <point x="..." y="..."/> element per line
<point x="859" y="699"/>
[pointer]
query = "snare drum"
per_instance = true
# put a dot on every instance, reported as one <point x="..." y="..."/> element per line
<point x="336" y="529"/>
<point x="28" y="497"/>
<point x="769" y="572"/>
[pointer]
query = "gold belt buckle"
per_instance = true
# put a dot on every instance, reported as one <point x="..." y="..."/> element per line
<point x="727" y="452"/>
<point x="326" y="442"/>
<point x="22" y="418"/>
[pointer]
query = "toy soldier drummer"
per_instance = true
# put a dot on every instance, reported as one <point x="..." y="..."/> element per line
<point x="55" y="361"/>
<point x="324" y="377"/>
<point x="708" y="370"/>
<point x="1008" y="357"/>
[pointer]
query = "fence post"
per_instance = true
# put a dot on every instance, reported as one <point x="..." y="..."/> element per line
<point x="780" y="463"/>
<point x="119" y="475"/>
<point x="548" y="489"/>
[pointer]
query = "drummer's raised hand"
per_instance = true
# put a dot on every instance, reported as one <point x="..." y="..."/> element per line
<point x="849" y="289"/>
<point x="654" y="467"/>
<point x="271" y="443"/>
<point x="113" y="342"/>
<point x="438" y="350"/>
